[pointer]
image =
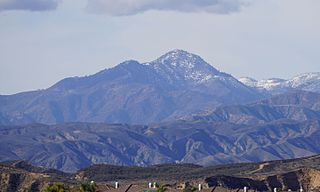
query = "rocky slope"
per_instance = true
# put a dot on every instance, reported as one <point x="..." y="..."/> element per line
<point x="176" y="83"/>
<point x="22" y="176"/>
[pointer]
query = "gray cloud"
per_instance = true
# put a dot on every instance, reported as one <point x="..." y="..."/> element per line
<point x="131" y="7"/>
<point x="30" y="5"/>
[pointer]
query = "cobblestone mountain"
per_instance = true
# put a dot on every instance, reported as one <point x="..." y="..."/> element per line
<point x="177" y="83"/>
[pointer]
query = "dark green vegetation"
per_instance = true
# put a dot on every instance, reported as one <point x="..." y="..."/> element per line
<point x="87" y="186"/>
<point x="57" y="187"/>
<point x="190" y="189"/>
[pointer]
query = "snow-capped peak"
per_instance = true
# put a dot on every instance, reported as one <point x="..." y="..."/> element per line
<point x="179" y="65"/>
<point x="180" y="58"/>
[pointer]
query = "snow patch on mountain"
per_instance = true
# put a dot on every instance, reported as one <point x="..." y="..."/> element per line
<point x="305" y="79"/>
<point x="270" y="84"/>
<point x="306" y="82"/>
<point x="248" y="81"/>
<point x="179" y="65"/>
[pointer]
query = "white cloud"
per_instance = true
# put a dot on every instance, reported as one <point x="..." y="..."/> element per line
<point x="131" y="7"/>
<point x="30" y="5"/>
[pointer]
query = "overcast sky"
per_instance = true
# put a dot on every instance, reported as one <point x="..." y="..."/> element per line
<point x="43" y="41"/>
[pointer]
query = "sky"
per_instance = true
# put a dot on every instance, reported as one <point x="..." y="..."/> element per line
<point x="44" y="41"/>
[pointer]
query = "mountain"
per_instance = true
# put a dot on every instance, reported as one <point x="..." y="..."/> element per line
<point x="305" y="82"/>
<point x="176" y="83"/>
<point x="180" y="109"/>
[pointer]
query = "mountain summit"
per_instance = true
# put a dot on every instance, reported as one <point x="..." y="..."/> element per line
<point x="179" y="65"/>
<point x="175" y="84"/>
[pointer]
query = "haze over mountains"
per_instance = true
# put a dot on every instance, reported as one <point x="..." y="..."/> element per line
<point x="190" y="112"/>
